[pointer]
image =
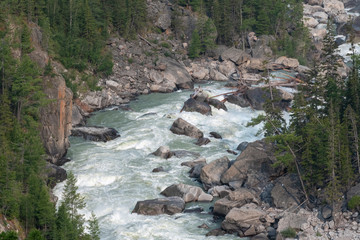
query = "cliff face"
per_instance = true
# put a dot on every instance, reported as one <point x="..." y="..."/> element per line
<point x="56" y="118"/>
<point x="56" y="115"/>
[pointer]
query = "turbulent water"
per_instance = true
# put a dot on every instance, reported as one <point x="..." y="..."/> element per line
<point x="113" y="176"/>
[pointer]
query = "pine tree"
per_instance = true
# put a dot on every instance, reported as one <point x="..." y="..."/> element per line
<point x="195" y="45"/>
<point x="94" y="228"/>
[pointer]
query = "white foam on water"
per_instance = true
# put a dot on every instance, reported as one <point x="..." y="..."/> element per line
<point x="114" y="175"/>
<point x="345" y="51"/>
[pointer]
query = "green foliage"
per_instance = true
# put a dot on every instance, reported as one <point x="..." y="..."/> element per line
<point x="354" y="203"/>
<point x="165" y="45"/>
<point x="195" y="45"/>
<point x="11" y="235"/>
<point x="35" y="234"/>
<point x="94" y="228"/>
<point x="289" y="233"/>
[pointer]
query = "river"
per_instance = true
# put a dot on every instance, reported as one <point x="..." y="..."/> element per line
<point x="113" y="176"/>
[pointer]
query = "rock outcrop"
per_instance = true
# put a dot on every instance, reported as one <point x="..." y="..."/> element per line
<point x="56" y="118"/>
<point x="170" y="206"/>
<point x="192" y="105"/>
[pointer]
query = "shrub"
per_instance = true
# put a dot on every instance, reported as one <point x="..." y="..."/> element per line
<point x="165" y="45"/>
<point x="289" y="233"/>
<point x="354" y="203"/>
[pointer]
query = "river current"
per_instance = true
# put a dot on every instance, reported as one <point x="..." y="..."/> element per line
<point x="113" y="176"/>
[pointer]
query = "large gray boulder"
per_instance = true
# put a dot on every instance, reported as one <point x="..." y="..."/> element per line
<point x="235" y="55"/>
<point x="235" y="199"/>
<point x="246" y="221"/>
<point x="293" y="220"/>
<point x="182" y="127"/>
<point x="211" y="173"/>
<point x="287" y="192"/>
<point x="192" y="105"/>
<point x="170" y="206"/>
<point x="187" y="192"/>
<point x="253" y="166"/>
<point x="98" y="134"/>
<point x="333" y="7"/>
<point x="177" y="74"/>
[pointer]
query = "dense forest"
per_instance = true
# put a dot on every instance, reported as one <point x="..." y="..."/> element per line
<point x="323" y="132"/>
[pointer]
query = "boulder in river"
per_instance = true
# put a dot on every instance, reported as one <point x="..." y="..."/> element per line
<point x="163" y="152"/>
<point x="192" y="105"/>
<point x="98" y="134"/>
<point x="211" y="173"/>
<point x="187" y="192"/>
<point x="217" y="103"/>
<point x="202" y="141"/>
<point x="169" y="205"/>
<point x="215" y="135"/>
<point x="182" y="127"/>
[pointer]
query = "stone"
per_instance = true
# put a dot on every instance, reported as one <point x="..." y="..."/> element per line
<point x="216" y="232"/>
<point x="112" y="85"/>
<point x="256" y="159"/>
<point x="163" y="152"/>
<point x="242" y="146"/>
<point x="170" y="206"/>
<point x="243" y="218"/>
<point x="293" y="220"/>
<point x="158" y="169"/>
<point x="211" y="173"/>
<point x="216" y="190"/>
<point x="98" y="134"/>
<point x="321" y="17"/>
<point x="238" y="100"/>
<point x="77" y="116"/>
<point x="187" y="192"/>
<point x="326" y="212"/>
<point x="217" y="76"/>
<point x="215" y="135"/>
<point x="318" y="34"/>
<point x="235" y="55"/>
<point x="192" y="105"/>
<point x="203" y="226"/>
<point x="196" y="170"/>
<point x="202" y="141"/>
<point x="194" y="210"/>
<point x="353" y="191"/>
<point x="287" y="192"/>
<point x="54" y="174"/>
<point x="155" y="76"/>
<point x="235" y="199"/>
<point x="287" y="62"/>
<point x="310" y="22"/>
<point x="333" y="7"/>
<point x="216" y="103"/>
<point x="182" y="127"/>
<point x="177" y="74"/>
<point x="201" y="73"/>
<point x="192" y="164"/>
<point x="227" y="68"/>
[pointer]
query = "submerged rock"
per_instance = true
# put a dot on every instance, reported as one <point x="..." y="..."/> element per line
<point x="202" y="141"/>
<point x="98" y="134"/>
<point x="182" y="127"/>
<point x="192" y="164"/>
<point x="215" y="135"/>
<point x="169" y="205"/>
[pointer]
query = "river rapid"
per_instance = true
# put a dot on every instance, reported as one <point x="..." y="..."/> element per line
<point x="113" y="176"/>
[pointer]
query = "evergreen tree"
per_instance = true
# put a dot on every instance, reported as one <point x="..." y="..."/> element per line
<point x="195" y="45"/>
<point x="94" y="227"/>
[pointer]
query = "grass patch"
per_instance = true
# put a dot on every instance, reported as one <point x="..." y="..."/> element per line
<point x="289" y="233"/>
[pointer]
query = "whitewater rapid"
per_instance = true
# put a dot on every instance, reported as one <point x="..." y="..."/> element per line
<point x="113" y="176"/>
